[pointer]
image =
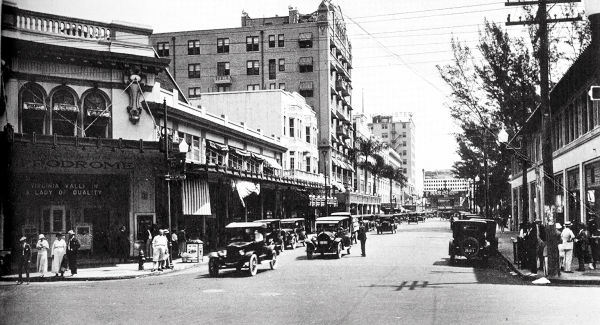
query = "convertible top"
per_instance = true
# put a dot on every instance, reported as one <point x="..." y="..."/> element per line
<point x="331" y="219"/>
<point x="292" y="220"/>
<point x="254" y="224"/>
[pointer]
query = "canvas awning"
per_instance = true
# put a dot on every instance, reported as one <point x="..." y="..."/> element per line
<point x="240" y="152"/>
<point x="196" y="199"/>
<point x="217" y="146"/>
<point x="272" y="162"/>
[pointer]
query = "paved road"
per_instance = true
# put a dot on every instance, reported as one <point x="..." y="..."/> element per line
<point x="405" y="279"/>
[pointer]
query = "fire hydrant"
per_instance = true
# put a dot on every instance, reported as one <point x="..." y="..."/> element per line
<point x="141" y="260"/>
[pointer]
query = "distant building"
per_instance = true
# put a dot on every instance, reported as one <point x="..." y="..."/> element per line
<point x="438" y="181"/>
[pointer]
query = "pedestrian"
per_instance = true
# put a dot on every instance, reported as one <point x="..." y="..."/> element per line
<point x="72" y="248"/>
<point x="159" y="246"/>
<point x="182" y="240"/>
<point x="582" y="248"/>
<point x="42" y="247"/>
<point x="536" y="242"/>
<point x="59" y="247"/>
<point x="561" y="247"/>
<point x="24" y="254"/>
<point x="174" y="244"/>
<point x="594" y="241"/>
<point x="362" y="236"/>
<point x="122" y="245"/>
<point x="522" y="247"/>
<point x="567" y="240"/>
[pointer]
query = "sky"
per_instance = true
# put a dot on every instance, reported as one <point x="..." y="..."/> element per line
<point x="396" y="46"/>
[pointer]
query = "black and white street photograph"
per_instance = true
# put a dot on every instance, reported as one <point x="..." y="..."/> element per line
<point x="306" y="162"/>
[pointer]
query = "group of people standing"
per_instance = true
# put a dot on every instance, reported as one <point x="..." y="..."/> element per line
<point x="63" y="255"/>
<point x="164" y="246"/>
<point x="582" y="241"/>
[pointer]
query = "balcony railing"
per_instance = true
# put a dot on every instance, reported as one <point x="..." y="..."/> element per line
<point x="222" y="80"/>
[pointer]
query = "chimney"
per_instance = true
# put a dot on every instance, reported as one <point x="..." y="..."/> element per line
<point x="293" y="15"/>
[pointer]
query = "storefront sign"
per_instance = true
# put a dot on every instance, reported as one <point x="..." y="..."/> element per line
<point x="87" y="188"/>
<point x="76" y="164"/>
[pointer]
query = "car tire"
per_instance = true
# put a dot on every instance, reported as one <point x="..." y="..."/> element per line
<point x="273" y="263"/>
<point x="213" y="267"/>
<point x="252" y="265"/>
<point x="339" y="251"/>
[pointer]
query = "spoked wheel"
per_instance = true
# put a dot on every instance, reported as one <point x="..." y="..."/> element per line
<point x="273" y="263"/>
<point x="252" y="265"/>
<point x="213" y="267"/>
<point x="339" y="251"/>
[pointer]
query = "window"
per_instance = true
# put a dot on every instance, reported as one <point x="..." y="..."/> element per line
<point x="404" y="162"/>
<point x="252" y="68"/>
<point x="251" y="43"/>
<point x="281" y="64"/>
<point x="404" y="134"/>
<point x="306" y="64"/>
<point x="404" y="170"/>
<point x="404" y="125"/>
<point x="292" y="160"/>
<point x="194" y="143"/>
<point x="306" y="88"/>
<point x="384" y="135"/>
<point x="222" y="89"/>
<point x="162" y="49"/>
<point x="308" y="164"/>
<point x="193" y="47"/>
<point x="194" y="70"/>
<point x="223" y="68"/>
<point x="222" y="45"/>
<point x="271" y="40"/>
<point x="291" y="127"/>
<point x="305" y="40"/>
<point x="272" y="69"/>
<point x="284" y="126"/>
<point x="308" y="134"/>
<point x="404" y="143"/>
<point x="194" y="92"/>
<point x="282" y="85"/>
<point x="272" y="86"/>
<point x="64" y="113"/>
<point x="280" y="40"/>
<point x="236" y="161"/>
<point x="384" y="126"/>
<point x="97" y="116"/>
<point x="253" y="87"/>
<point x="34" y="109"/>
<point x="404" y="152"/>
<point x="214" y="156"/>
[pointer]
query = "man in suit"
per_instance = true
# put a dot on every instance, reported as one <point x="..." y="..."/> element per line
<point x="24" y="255"/>
<point x="537" y="237"/>
<point x="362" y="236"/>
<point x="72" y="247"/>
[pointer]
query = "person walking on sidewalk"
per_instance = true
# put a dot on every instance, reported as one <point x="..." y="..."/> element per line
<point x="594" y="241"/>
<point x="58" y="253"/>
<point x="582" y="248"/>
<point x="561" y="247"/>
<point x="362" y="236"/>
<point x="567" y="240"/>
<point x="42" y="248"/>
<point x="122" y="244"/>
<point x="24" y="254"/>
<point x="72" y="248"/>
<point x="159" y="246"/>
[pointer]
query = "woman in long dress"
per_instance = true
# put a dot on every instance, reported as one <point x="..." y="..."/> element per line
<point x="58" y="252"/>
<point x="42" y="247"/>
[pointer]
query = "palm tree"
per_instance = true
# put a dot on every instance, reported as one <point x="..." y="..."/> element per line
<point x="394" y="174"/>
<point x="377" y="169"/>
<point x="367" y="148"/>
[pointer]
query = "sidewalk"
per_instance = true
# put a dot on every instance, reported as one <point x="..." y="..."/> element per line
<point x="505" y="250"/>
<point x="116" y="272"/>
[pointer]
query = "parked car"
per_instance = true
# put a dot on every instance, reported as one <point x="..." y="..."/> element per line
<point x="275" y="233"/>
<point x="386" y="223"/>
<point x="470" y="238"/>
<point x="353" y="226"/>
<point x="294" y="231"/>
<point x="398" y="217"/>
<point x="333" y="236"/>
<point x="247" y="246"/>
<point x="412" y="218"/>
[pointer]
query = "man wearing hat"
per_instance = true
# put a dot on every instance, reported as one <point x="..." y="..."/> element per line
<point x="567" y="241"/>
<point x="72" y="247"/>
<point x="24" y="255"/>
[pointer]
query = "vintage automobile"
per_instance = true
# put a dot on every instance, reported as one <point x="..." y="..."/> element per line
<point x="275" y="233"/>
<point x="398" y="217"/>
<point x="247" y="246"/>
<point x="353" y="226"/>
<point x="412" y="218"/>
<point x="333" y="236"/>
<point x="386" y="223"/>
<point x="470" y="238"/>
<point x="294" y="231"/>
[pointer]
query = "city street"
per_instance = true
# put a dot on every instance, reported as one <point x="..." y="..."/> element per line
<point x="405" y="279"/>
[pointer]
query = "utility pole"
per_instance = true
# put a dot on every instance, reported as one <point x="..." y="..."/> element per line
<point x="546" y="127"/>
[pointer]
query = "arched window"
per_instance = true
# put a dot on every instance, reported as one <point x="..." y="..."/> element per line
<point x="97" y="116"/>
<point x="64" y="113"/>
<point x="33" y="117"/>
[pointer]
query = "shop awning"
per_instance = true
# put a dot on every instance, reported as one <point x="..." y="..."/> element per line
<point x="338" y="186"/>
<point x="217" y="146"/>
<point x="272" y="162"/>
<point x="196" y="199"/>
<point x="240" y="152"/>
<point x="257" y="157"/>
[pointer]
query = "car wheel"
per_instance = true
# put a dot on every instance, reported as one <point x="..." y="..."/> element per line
<point x="252" y="265"/>
<point x="213" y="267"/>
<point x="339" y="251"/>
<point x="273" y="263"/>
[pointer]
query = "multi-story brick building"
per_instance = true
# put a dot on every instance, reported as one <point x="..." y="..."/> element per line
<point x="305" y="53"/>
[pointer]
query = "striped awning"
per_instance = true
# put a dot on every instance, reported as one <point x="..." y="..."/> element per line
<point x="217" y="146"/>
<point x="240" y="152"/>
<point x="272" y="162"/>
<point x="196" y="199"/>
<point x="305" y="36"/>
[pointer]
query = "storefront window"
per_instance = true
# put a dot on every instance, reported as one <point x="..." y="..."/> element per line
<point x="592" y="187"/>
<point x="574" y="195"/>
<point x="560" y="200"/>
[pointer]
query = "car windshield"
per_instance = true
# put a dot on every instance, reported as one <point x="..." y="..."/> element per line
<point x="240" y="234"/>
<point x="332" y="227"/>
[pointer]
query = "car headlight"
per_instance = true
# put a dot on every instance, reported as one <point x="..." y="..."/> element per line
<point x="222" y="253"/>
<point x="241" y="252"/>
<point x="486" y="244"/>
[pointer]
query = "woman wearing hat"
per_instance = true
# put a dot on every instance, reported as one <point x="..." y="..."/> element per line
<point x="59" y="247"/>
<point x="567" y="240"/>
<point x="42" y="259"/>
